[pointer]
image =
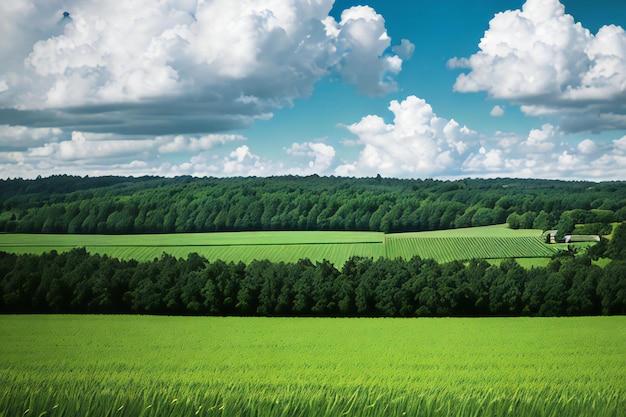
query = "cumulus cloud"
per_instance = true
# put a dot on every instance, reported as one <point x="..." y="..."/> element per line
<point x="497" y="111"/>
<point x="417" y="143"/>
<point x="541" y="59"/>
<point x="405" y="50"/>
<point x="421" y="144"/>
<point x="180" y="66"/>
<point x="587" y="147"/>
<point x="361" y="40"/>
<point x="323" y="155"/>
<point x="540" y="140"/>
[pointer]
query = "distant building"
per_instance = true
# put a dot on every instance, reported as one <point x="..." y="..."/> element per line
<point x="552" y="236"/>
<point x="581" y="238"/>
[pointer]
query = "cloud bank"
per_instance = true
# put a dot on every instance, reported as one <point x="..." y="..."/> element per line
<point x="416" y="143"/>
<point x="421" y="144"/>
<point x="180" y="66"/>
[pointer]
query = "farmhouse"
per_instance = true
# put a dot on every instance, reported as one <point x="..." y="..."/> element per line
<point x="551" y="238"/>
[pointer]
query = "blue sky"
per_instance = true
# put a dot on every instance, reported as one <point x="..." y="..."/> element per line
<point x="413" y="89"/>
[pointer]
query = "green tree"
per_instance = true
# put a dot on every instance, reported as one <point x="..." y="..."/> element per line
<point x="612" y="288"/>
<point x="542" y="221"/>
<point x="514" y="221"/>
<point x="616" y="248"/>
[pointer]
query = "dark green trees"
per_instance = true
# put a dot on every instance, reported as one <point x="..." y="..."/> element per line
<point x="76" y="282"/>
<point x="616" y="248"/>
<point x="184" y="204"/>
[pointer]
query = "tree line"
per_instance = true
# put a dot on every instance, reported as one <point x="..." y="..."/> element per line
<point x="120" y="205"/>
<point x="77" y="282"/>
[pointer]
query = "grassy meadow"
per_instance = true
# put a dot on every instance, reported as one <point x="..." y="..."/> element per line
<point x="489" y="242"/>
<point x="177" y="366"/>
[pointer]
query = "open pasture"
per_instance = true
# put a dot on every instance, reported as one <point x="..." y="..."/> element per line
<point x="489" y="242"/>
<point x="176" y="366"/>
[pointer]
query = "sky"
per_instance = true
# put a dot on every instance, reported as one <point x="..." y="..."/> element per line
<point x="441" y="89"/>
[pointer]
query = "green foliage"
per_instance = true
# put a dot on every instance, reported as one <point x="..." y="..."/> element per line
<point x="543" y="221"/>
<point x="514" y="220"/>
<point x="616" y="248"/>
<point x="172" y="366"/>
<point x="76" y="282"/>
<point x="565" y="226"/>
<point x="596" y="228"/>
<point x="116" y="205"/>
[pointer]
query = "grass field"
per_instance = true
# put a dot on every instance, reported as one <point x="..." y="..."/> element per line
<point x="337" y="247"/>
<point x="490" y="242"/>
<point x="175" y="366"/>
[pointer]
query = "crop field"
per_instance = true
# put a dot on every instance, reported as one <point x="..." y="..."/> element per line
<point x="450" y="249"/>
<point x="490" y="242"/>
<point x="336" y="247"/>
<point x="214" y="366"/>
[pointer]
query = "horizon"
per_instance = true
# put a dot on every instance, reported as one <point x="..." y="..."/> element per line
<point x="448" y="91"/>
<point x="314" y="175"/>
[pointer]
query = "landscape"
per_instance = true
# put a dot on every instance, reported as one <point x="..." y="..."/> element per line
<point x="312" y="208"/>
<point x="422" y="318"/>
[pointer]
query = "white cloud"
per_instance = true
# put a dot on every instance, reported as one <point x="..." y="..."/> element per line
<point x="620" y="144"/>
<point x="540" y="58"/>
<point x="95" y="150"/>
<point x="405" y="50"/>
<point x="587" y="147"/>
<point x="20" y="137"/>
<point x="177" y="67"/>
<point x="418" y="143"/>
<point x="361" y="39"/>
<point x="540" y="140"/>
<point x="184" y="144"/>
<point x="497" y="111"/>
<point x="323" y="155"/>
<point x="456" y="63"/>
<point x="79" y="148"/>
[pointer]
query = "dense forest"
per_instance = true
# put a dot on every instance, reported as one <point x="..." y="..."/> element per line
<point x="76" y="282"/>
<point x="120" y="205"/>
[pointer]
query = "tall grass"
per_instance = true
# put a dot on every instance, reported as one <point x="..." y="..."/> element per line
<point x="166" y="366"/>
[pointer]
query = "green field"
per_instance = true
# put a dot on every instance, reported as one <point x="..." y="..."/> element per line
<point x="490" y="242"/>
<point x="337" y="247"/>
<point x="175" y="366"/>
